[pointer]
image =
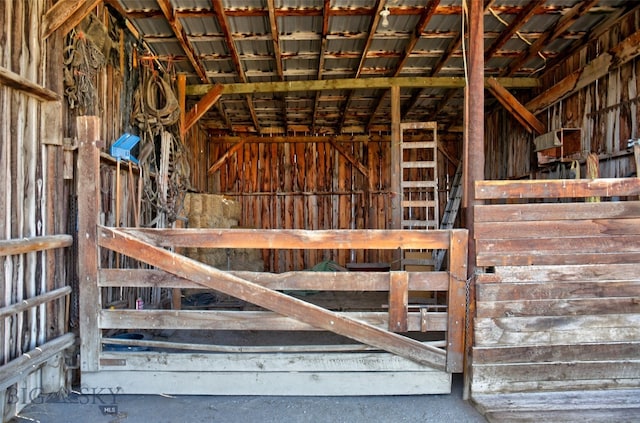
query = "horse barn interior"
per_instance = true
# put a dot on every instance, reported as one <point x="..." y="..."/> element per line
<point x="323" y="197"/>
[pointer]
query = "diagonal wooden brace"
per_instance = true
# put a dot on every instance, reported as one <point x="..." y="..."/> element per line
<point x="213" y="278"/>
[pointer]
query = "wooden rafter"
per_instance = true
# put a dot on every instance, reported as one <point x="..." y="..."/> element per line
<point x="517" y="110"/>
<point x="373" y="25"/>
<point x="66" y="14"/>
<point x="183" y="39"/>
<point x="454" y="45"/>
<point x="275" y="36"/>
<point x="558" y="29"/>
<point x="323" y="47"/>
<point x="426" y="15"/>
<point x="520" y="19"/>
<point x="212" y="278"/>
<point x="223" y="21"/>
<point x="594" y="34"/>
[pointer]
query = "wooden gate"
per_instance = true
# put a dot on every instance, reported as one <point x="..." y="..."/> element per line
<point x="400" y="346"/>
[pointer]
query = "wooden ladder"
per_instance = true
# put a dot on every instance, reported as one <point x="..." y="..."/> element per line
<point x="419" y="186"/>
<point x="450" y="213"/>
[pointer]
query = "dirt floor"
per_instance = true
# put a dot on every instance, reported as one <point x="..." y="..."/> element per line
<point x="108" y="408"/>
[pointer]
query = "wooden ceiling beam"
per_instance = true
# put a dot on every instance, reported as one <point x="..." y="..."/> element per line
<point x="183" y="39"/>
<point x="223" y="21"/>
<point x="351" y="83"/>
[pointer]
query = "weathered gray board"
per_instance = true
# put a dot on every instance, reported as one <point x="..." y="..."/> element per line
<point x="370" y="373"/>
<point x="557" y="326"/>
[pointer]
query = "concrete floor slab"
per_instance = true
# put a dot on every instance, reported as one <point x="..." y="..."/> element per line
<point x="107" y="408"/>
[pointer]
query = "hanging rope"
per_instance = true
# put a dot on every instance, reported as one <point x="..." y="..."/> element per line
<point x="156" y="111"/>
<point x="82" y="61"/>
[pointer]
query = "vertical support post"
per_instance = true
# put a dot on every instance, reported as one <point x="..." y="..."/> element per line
<point x="457" y="298"/>
<point x="88" y="211"/>
<point x="398" y="301"/>
<point x="474" y="155"/>
<point x="396" y="176"/>
<point x="182" y="101"/>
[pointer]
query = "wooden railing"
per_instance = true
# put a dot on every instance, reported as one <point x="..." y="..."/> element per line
<point x="374" y="328"/>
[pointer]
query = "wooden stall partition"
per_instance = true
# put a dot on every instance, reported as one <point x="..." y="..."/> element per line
<point x="557" y="313"/>
<point x="389" y="345"/>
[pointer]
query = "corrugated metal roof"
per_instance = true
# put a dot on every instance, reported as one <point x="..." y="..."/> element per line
<point x="354" y="44"/>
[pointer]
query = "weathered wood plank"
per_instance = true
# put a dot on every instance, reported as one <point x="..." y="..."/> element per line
<point x="559" y="307"/>
<point x="556" y="329"/>
<point x="294" y="239"/>
<point x="579" y="273"/>
<point x="32" y="244"/>
<point x="556" y="371"/>
<point x="510" y="386"/>
<point x="559" y="245"/>
<point x="316" y="281"/>
<point x="541" y="258"/>
<point x="245" y="320"/>
<point x="575" y="351"/>
<point x="272" y="300"/>
<point x="549" y="290"/>
<point x="557" y="229"/>
<point x="366" y="361"/>
<point x="560" y="188"/>
<point x="556" y="211"/>
<point x="273" y="383"/>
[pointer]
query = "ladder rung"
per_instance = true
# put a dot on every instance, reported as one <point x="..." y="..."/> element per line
<point x="418" y="203"/>
<point x="418" y="144"/>
<point x="419" y="184"/>
<point x="420" y="223"/>
<point x="419" y="165"/>
<point x="418" y="262"/>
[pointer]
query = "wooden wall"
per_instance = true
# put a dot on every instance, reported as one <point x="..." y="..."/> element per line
<point x="33" y="207"/>
<point x="557" y="317"/>
<point x="294" y="183"/>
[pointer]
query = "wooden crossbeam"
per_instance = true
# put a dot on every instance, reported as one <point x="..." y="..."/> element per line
<point x="354" y="84"/>
<point x="217" y="165"/>
<point x="213" y="278"/>
<point x="509" y="102"/>
<point x="66" y="14"/>
<point x="355" y="162"/>
<point x="202" y="107"/>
